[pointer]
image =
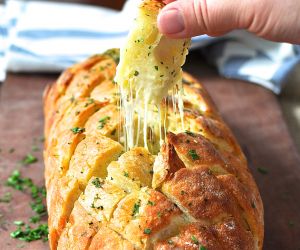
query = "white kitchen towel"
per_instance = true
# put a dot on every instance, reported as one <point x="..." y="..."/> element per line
<point x="38" y="36"/>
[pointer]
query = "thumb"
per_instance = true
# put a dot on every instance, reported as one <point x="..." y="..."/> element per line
<point x="187" y="18"/>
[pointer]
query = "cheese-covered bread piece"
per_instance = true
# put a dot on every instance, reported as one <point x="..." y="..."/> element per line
<point x="150" y="63"/>
<point x="149" y="69"/>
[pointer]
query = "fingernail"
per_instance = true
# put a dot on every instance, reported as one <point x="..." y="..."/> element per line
<point x="171" y="21"/>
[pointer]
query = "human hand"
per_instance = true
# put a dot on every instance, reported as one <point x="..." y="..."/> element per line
<point x="274" y="20"/>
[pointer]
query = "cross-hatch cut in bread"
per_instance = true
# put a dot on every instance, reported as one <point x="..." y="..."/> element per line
<point x="149" y="69"/>
<point x="195" y="193"/>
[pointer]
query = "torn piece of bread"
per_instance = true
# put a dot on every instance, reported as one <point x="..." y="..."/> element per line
<point x="150" y="63"/>
<point x="149" y="69"/>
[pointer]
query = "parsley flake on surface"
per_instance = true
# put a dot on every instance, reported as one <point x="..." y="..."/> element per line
<point x="19" y="223"/>
<point x="90" y="101"/>
<point x="189" y="133"/>
<point x="103" y="121"/>
<point x="151" y="203"/>
<point x="147" y="231"/>
<point x="35" y="218"/>
<point x="195" y="240"/>
<point x="29" y="159"/>
<point x="136" y="208"/>
<point x="192" y="153"/>
<point x="97" y="183"/>
<point x="15" y="181"/>
<point x="37" y="193"/>
<point x="77" y="130"/>
<point x="30" y="234"/>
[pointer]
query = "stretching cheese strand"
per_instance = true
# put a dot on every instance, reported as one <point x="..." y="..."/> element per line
<point x="143" y="86"/>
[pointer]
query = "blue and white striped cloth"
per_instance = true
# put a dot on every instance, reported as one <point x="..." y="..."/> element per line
<point x="38" y="36"/>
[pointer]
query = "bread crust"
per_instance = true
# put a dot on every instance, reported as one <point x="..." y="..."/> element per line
<point x="197" y="192"/>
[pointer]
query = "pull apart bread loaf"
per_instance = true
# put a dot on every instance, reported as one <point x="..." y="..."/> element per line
<point x="191" y="191"/>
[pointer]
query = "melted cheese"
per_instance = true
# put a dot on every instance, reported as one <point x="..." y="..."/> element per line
<point x="149" y="70"/>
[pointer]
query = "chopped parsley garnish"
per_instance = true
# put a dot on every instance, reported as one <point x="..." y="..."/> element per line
<point x="6" y="197"/>
<point x="29" y="159"/>
<point x="202" y="248"/>
<point x="136" y="208"/>
<point x="189" y="133"/>
<point x="38" y="206"/>
<point x="15" y="181"/>
<point x="156" y="68"/>
<point x="97" y="183"/>
<point x="192" y="153"/>
<point x="262" y="170"/>
<point x="77" y="130"/>
<point x="126" y="174"/>
<point x="90" y="101"/>
<point x="147" y="231"/>
<point x="136" y="73"/>
<point x="35" y="218"/>
<point x="195" y="240"/>
<point x="103" y="121"/>
<point x="151" y="203"/>
<point x="30" y="234"/>
<point x="19" y="223"/>
<point x="24" y="232"/>
<point x="37" y="193"/>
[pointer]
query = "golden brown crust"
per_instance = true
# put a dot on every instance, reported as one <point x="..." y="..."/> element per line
<point x="79" y="231"/>
<point x="197" y="192"/>
<point x="108" y="239"/>
<point x="226" y="235"/>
